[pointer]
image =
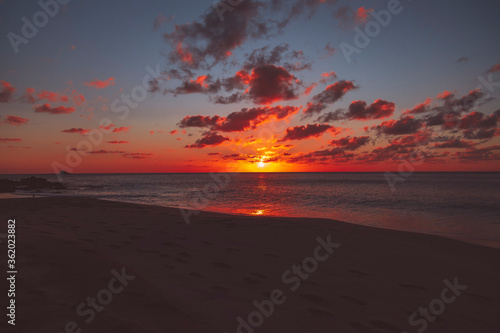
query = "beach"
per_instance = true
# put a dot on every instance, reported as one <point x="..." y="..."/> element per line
<point x="103" y="266"/>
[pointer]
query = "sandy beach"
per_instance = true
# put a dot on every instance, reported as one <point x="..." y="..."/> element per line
<point x="101" y="266"/>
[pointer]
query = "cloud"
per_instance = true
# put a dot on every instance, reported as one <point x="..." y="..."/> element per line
<point x="6" y="92"/>
<point x="406" y="125"/>
<point x="160" y="20"/>
<point x="350" y="143"/>
<point x="16" y="121"/>
<point x="494" y="68"/>
<point x="46" y="108"/>
<point x="76" y="130"/>
<point x="463" y="59"/>
<point x="52" y="96"/>
<point x="479" y="155"/>
<point x="329" y="51"/>
<point x="210" y="139"/>
<point x="455" y="143"/>
<point x="117" y="142"/>
<point x="361" y="15"/>
<point x="10" y="140"/>
<point x="269" y="84"/>
<point x="482" y="134"/>
<point x="210" y="40"/>
<point x="477" y="120"/>
<point x="97" y="84"/>
<point x="304" y="132"/>
<point x="240" y="120"/>
<point x="334" y="92"/>
<point x="312" y="109"/>
<point x="137" y="156"/>
<point x="420" y="108"/>
<point x="358" y="110"/>
<point x="121" y="129"/>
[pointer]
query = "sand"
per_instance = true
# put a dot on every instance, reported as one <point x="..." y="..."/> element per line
<point x="205" y="276"/>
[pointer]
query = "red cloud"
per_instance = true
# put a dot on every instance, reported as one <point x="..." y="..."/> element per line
<point x="349" y="143"/>
<point x="56" y="110"/>
<point x="495" y="68"/>
<point x="97" y="84"/>
<point x="10" y="139"/>
<point x="121" y="129"/>
<point x="455" y="143"/>
<point x="6" y="92"/>
<point x="377" y="110"/>
<point x="406" y="125"/>
<point x="362" y="14"/>
<point x="420" y="108"/>
<point x="240" y="120"/>
<point x="118" y="142"/>
<point x="304" y="132"/>
<point x="477" y="120"/>
<point x="52" y="96"/>
<point x="137" y="156"/>
<point x="76" y="130"/>
<point x="334" y="92"/>
<point x="16" y="121"/>
<point x="211" y="139"/>
<point x="445" y="94"/>
<point x="173" y="132"/>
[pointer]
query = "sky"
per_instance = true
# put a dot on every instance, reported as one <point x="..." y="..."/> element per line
<point x="249" y="86"/>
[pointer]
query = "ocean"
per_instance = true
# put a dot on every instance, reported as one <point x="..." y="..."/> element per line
<point x="463" y="206"/>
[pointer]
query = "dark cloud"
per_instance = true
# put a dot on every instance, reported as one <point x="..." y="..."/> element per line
<point x="76" y="130"/>
<point x="420" y="108"/>
<point x="350" y="143"/>
<point x="304" y="132"/>
<point x="482" y="134"/>
<point x="455" y="143"/>
<point x="334" y="92"/>
<point x="358" y="110"/>
<point x="479" y="155"/>
<point x="210" y="139"/>
<point x="16" y="121"/>
<point x="406" y="125"/>
<point x="46" y="108"/>
<point x="210" y="40"/>
<point x="312" y="109"/>
<point x="7" y="92"/>
<point x="240" y="120"/>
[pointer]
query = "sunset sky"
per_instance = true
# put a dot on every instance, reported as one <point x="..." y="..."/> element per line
<point x="298" y="85"/>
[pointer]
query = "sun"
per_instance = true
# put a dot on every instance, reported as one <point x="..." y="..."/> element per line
<point x="261" y="164"/>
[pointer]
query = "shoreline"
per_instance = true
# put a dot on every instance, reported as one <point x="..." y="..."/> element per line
<point x="205" y="276"/>
<point x="481" y="242"/>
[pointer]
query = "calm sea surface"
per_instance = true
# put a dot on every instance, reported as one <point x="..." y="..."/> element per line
<point x="456" y="205"/>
